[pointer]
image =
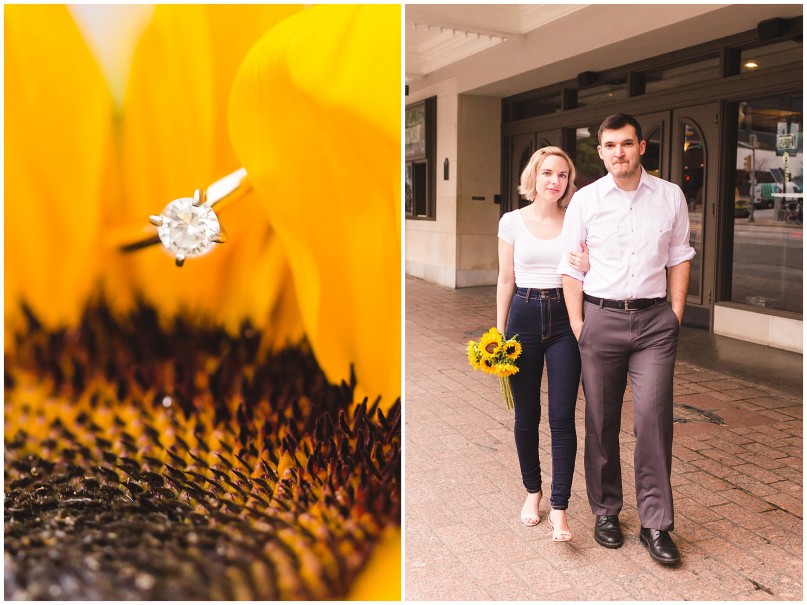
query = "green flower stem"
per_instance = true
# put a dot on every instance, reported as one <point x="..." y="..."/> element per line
<point x="507" y="393"/>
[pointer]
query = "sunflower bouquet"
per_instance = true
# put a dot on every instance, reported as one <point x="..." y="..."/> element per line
<point x="493" y="354"/>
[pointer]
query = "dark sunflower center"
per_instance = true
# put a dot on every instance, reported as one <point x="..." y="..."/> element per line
<point x="145" y="462"/>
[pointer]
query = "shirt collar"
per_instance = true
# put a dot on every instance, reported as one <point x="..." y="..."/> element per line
<point x="607" y="183"/>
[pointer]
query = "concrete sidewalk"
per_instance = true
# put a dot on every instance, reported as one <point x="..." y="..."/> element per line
<point x="737" y="485"/>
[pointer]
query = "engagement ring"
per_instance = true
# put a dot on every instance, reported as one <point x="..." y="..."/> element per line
<point x="188" y="227"/>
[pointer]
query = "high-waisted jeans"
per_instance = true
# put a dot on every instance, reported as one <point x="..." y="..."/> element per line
<point x="540" y="319"/>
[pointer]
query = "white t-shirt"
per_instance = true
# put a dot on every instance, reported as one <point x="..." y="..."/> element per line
<point x="535" y="260"/>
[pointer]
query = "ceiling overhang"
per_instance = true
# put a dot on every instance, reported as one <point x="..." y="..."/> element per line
<point x="440" y="35"/>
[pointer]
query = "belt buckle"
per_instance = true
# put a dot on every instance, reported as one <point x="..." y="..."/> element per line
<point x="628" y="305"/>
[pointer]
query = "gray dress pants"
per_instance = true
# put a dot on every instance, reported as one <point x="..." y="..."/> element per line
<point x="614" y="344"/>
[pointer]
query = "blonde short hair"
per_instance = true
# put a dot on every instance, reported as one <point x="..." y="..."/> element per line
<point x="527" y="187"/>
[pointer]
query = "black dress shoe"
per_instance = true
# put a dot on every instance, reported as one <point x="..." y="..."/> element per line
<point x="607" y="532"/>
<point x="660" y="545"/>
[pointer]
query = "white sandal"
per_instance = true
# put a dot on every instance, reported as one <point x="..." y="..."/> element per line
<point x="531" y="519"/>
<point x="559" y="535"/>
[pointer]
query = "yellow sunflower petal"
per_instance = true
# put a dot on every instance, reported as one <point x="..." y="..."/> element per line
<point x="315" y="117"/>
<point x="490" y="344"/>
<point x="57" y="128"/>
<point x="381" y="578"/>
<point x="175" y="140"/>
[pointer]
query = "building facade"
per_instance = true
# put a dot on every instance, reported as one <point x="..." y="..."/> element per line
<point x="718" y="90"/>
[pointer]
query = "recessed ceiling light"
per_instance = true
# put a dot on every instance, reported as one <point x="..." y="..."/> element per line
<point x="751" y="65"/>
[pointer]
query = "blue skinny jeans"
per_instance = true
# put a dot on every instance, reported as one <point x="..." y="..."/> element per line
<point x="540" y="319"/>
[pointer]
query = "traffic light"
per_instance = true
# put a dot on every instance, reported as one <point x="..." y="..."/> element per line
<point x="747" y="164"/>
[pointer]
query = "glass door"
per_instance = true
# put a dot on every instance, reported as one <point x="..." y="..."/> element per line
<point x="522" y="146"/>
<point x="520" y="150"/>
<point x="694" y="167"/>
<point x="656" y="133"/>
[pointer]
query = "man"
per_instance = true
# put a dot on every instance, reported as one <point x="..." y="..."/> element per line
<point x="635" y="225"/>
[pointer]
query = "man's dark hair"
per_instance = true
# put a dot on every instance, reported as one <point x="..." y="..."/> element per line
<point x="619" y="120"/>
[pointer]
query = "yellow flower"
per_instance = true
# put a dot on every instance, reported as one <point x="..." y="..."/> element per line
<point x="505" y="369"/>
<point x="488" y="366"/>
<point x="325" y="160"/>
<point x="496" y="356"/>
<point x="473" y="354"/>
<point x="320" y="139"/>
<point x="490" y="343"/>
<point x="512" y="349"/>
<point x="81" y="175"/>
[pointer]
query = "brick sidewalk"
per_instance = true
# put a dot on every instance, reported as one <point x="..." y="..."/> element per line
<point x="737" y="486"/>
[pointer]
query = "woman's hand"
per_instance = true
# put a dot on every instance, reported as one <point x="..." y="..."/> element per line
<point x="579" y="260"/>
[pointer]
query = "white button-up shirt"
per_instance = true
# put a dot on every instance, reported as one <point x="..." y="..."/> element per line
<point x="630" y="241"/>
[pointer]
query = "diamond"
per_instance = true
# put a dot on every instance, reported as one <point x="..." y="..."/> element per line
<point x="188" y="230"/>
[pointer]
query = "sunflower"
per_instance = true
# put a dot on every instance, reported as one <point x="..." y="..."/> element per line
<point x="512" y="349"/>
<point x="474" y="356"/>
<point x="505" y="369"/>
<point x="226" y="430"/>
<point x="490" y="343"/>
<point x="496" y="356"/>
<point x="488" y="366"/>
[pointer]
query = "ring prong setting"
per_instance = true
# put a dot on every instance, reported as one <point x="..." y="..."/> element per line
<point x="199" y="197"/>
<point x="188" y="227"/>
<point x="188" y="230"/>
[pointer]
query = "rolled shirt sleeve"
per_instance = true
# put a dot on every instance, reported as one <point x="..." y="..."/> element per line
<point x="680" y="250"/>
<point x="574" y="232"/>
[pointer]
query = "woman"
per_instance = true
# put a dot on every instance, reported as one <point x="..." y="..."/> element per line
<point x="529" y="253"/>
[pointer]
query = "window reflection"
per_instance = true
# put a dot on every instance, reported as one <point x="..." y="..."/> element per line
<point x="651" y="160"/>
<point x="681" y="75"/>
<point x="771" y="55"/>
<point x="538" y="106"/>
<point x="526" y="154"/>
<point x="693" y="172"/>
<point x="587" y="161"/>
<point x="768" y="234"/>
<point x="603" y="93"/>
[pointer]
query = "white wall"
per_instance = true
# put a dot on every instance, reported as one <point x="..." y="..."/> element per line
<point x="459" y="248"/>
<point x="478" y="171"/>
<point x="770" y="330"/>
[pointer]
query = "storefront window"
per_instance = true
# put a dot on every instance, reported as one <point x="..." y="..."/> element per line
<point x="771" y="55"/>
<point x="419" y="149"/>
<point x="587" y="161"/>
<point x="769" y="188"/>
<point x="415" y="133"/>
<point x="537" y="106"/>
<point x="603" y="93"/>
<point x="681" y="75"/>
